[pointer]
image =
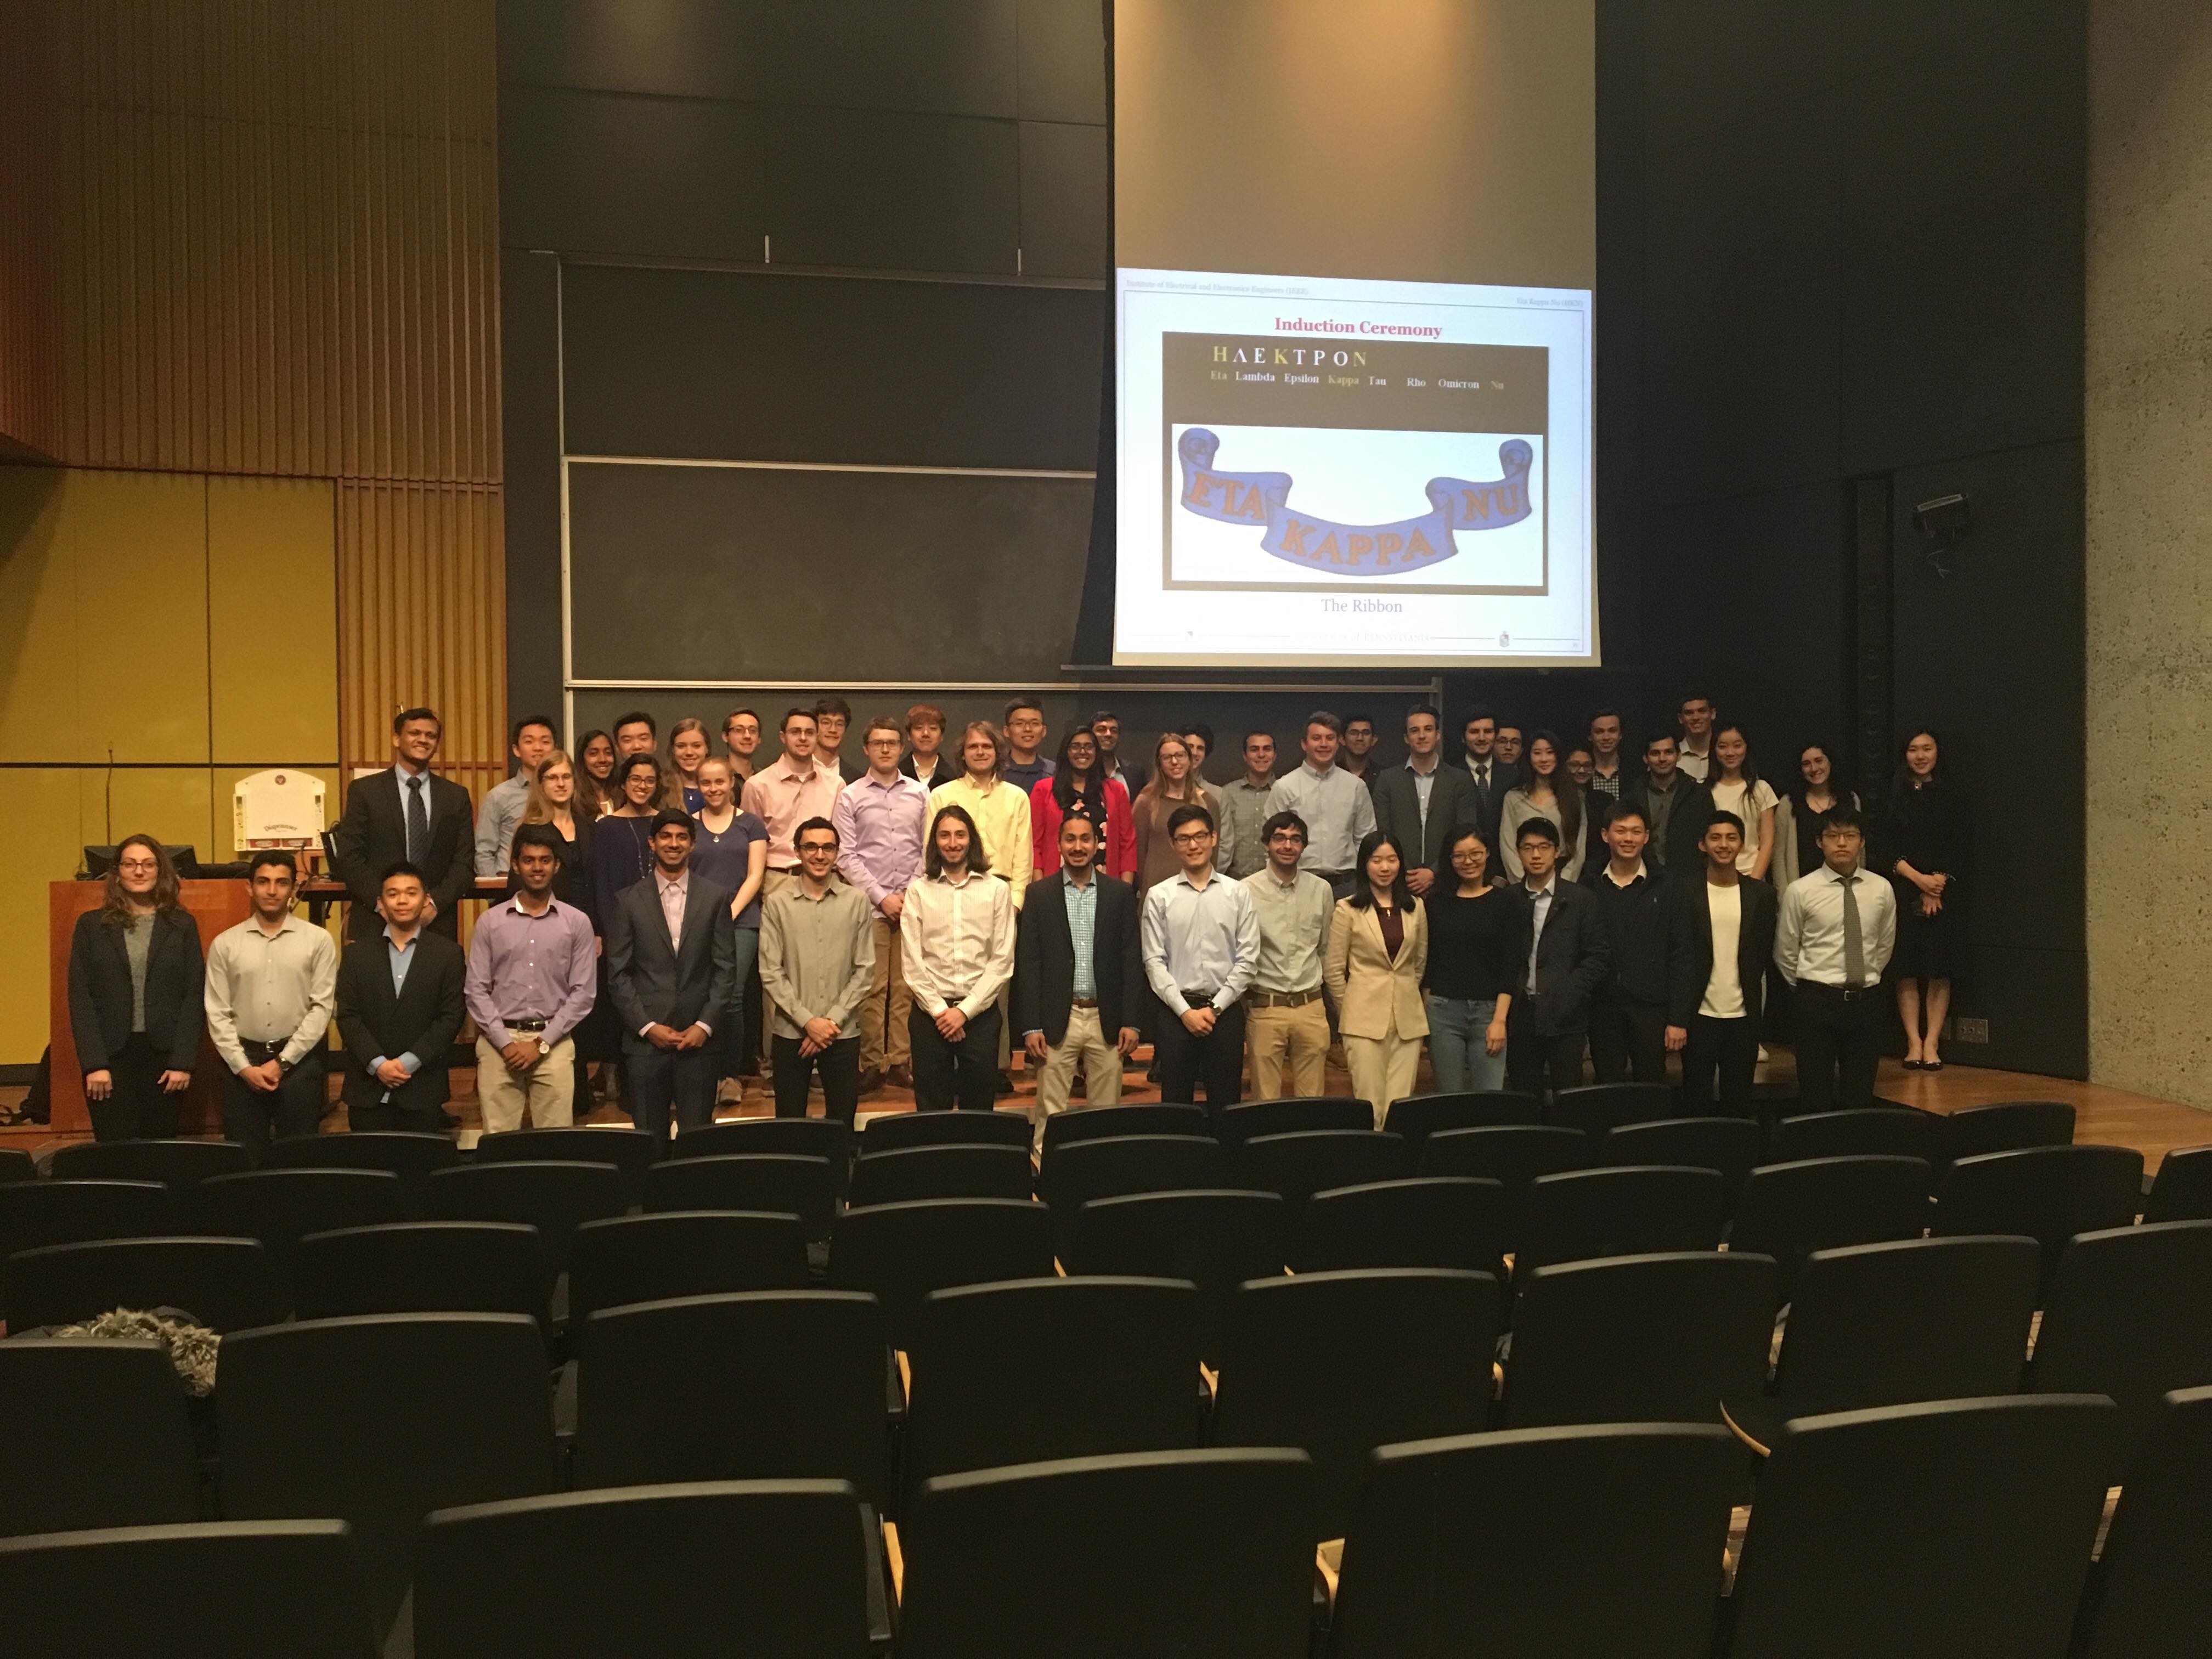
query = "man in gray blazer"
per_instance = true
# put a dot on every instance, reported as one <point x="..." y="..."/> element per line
<point x="1423" y="801"/>
<point x="671" y="963"/>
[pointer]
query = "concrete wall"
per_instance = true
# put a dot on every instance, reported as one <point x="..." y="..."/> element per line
<point x="2149" y="397"/>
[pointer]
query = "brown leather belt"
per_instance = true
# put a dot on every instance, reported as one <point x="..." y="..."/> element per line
<point x="1280" y="999"/>
<point x="1083" y="1002"/>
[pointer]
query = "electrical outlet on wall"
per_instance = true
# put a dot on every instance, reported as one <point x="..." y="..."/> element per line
<point x="1968" y="1030"/>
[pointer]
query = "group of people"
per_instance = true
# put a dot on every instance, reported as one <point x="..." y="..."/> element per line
<point x="904" y="915"/>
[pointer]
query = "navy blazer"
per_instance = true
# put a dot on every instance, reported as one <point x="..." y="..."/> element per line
<point x="1572" y="959"/>
<point x="655" y="982"/>
<point x="100" y="999"/>
<point x="372" y="836"/>
<point x="1044" y="958"/>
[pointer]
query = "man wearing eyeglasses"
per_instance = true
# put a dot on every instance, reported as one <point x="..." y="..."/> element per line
<point x="1201" y="941"/>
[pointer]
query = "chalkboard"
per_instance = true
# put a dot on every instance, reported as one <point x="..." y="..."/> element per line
<point x="696" y="572"/>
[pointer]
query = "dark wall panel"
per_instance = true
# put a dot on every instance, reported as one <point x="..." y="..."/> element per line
<point x="611" y="172"/>
<point x="893" y="191"/>
<point x="1063" y="61"/>
<point x="721" y="572"/>
<point x="1741" y="239"/>
<point x="1963" y="230"/>
<point x="932" y="57"/>
<point x="1064" y="201"/>
<point x="717" y="366"/>
<point x="529" y="411"/>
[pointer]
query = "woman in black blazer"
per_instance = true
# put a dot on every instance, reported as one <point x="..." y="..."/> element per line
<point x="134" y="984"/>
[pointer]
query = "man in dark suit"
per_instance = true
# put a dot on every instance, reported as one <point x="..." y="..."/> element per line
<point x="407" y="816"/>
<point x="1564" y="959"/>
<point x="399" y="1008"/>
<point x="1072" y="1010"/>
<point x="1628" y="1014"/>
<point x="1722" y="937"/>
<point x="1674" y="806"/>
<point x="1423" y="801"/>
<point x="671" y="963"/>
<point x="1491" y="775"/>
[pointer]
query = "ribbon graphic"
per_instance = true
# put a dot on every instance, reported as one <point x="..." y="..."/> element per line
<point x="1353" y="549"/>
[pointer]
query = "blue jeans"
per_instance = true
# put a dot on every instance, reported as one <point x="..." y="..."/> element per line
<point x="1457" y="1028"/>
<point x="730" y="1028"/>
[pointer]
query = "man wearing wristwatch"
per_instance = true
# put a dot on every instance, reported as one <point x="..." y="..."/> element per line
<point x="533" y="972"/>
<point x="271" y="984"/>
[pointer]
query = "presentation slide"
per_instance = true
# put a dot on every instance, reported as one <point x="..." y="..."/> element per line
<point x="1347" y="471"/>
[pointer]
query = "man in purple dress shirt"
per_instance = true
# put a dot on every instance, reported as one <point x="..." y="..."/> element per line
<point x="880" y="819"/>
<point x="533" y="972"/>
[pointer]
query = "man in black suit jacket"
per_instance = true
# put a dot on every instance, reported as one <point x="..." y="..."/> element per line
<point x="1628" y="1015"/>
<point x="397" y="1035"/>
<point x="1549" y="1020"/>
<point x="1717" y="993"/>
<point x="671" y="963"/>
<point x="1453" y="799"/>
<point x="407" y="816"/>
<point x="1674" y="806"/>
<point x="1491" y="776"/>
<point x="1059" y="1027"/>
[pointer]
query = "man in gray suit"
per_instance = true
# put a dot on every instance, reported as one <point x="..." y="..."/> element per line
<point x="672" y="961"/>
<point x="1423" y="801"/>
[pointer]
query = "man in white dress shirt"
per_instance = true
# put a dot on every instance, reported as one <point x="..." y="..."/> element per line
<point x="1832" y="940"/>
<point x="271" y="984"/>
<point x="957" y="933"/>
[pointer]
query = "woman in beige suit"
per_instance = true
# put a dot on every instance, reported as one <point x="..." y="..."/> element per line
<point x="1378" y="944"/>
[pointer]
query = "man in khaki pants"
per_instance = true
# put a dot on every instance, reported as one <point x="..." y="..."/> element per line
<point x="1078" y="974"/>
<point x="533" y="975"/>
<point x="1284" y="1020"/>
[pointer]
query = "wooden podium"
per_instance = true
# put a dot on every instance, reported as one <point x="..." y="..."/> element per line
<point x="214" y="905"/>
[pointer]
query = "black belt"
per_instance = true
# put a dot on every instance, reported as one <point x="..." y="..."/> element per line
<point x="1848" y="993"/>
<point x="1200" y="998"/>
<point x="524" y="1025"/>
<point x="261" y="1053"/>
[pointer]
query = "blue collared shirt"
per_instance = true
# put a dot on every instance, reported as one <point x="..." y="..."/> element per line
<point x="1083" y="931"/>
<point x="401" y="957"/>
<point x="1199" y="939"/>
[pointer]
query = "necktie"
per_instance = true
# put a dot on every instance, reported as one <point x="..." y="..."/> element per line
<point x="1854" y="941"/>
<point x="1482" y="776"/>
<point x="418" y="824"/>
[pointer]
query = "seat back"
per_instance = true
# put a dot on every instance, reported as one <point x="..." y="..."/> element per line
<point x="172" y="1163"/>
<point x="1253" y="1118"/>
<point x="787" y="1184"/>
<point x="1339" y="1364"/>
<point x="1730" y="1145"/>
<point x="1645" y="1339"/>
<point x="1855" y="1543"/>
<point x="1581" y="1213"/>
<point x="1228" y="1558"/>
<point x="956" y="1170"/>
<point x="829" y="1137"/>
<point x="899" y="1253"/>
<point x="631" y="1150"/>
<point x="1075" y="1172"/>
<point x="1301" y="1163"/>
<point x="1593" y="1539"/>
<point x="1787" y="1211"/>
<point x="1151" y="1117"/>
<point x="2149" y="1595"/>
<point x="1439" y="1221"/>
<point x="680" y="1253"/>
<point x="225" y="1284"/>
<point x="556" y="1577"/>
<point x="2182" y="1189"/>
<point x="897" y="1132"/>
<point x="16" y="1164"/>
<point x="183" y="1592"/>
<point x="2130" y="1315"/>
<point x="101" y="1435"/>
<point x="379" y="1421"/>
<point x="765" y="1385"/>
<point x="1215" y="1238"/>
<point x="1864" y="1131"/>
<point x="554" y="1197"/>
<point x="2006" y="1126"/>
<point x="1418" y="1116"/>
<point x="1512" y="1156"/>
<point x="1917" y="1319"/>
<point x="37" y="1213"/>
<point x="424" y="1266"/>
<point x="1603" y="1106"/>
<point x="281" y="1207"/>
<point x="412" y="1157"/>
<point x="2048" y="1193"/>
<point x="1039" y="1369"/>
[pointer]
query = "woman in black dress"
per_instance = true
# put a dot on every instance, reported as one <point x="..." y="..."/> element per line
<point x="1927" y="829"/>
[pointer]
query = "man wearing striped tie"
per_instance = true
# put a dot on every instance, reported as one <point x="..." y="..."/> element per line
<point x="1832" y="941"/>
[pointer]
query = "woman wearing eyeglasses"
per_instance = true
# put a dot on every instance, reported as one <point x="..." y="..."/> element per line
<point x="136" y="980"/>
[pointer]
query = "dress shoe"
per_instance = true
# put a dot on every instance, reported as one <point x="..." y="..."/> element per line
<point x="871" y="1080"/>
<point x="900" y="1076"/>
<point x="1005" y="1085"/>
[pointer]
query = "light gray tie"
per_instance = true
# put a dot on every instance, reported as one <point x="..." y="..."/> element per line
<point x="1854" y="940"/>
